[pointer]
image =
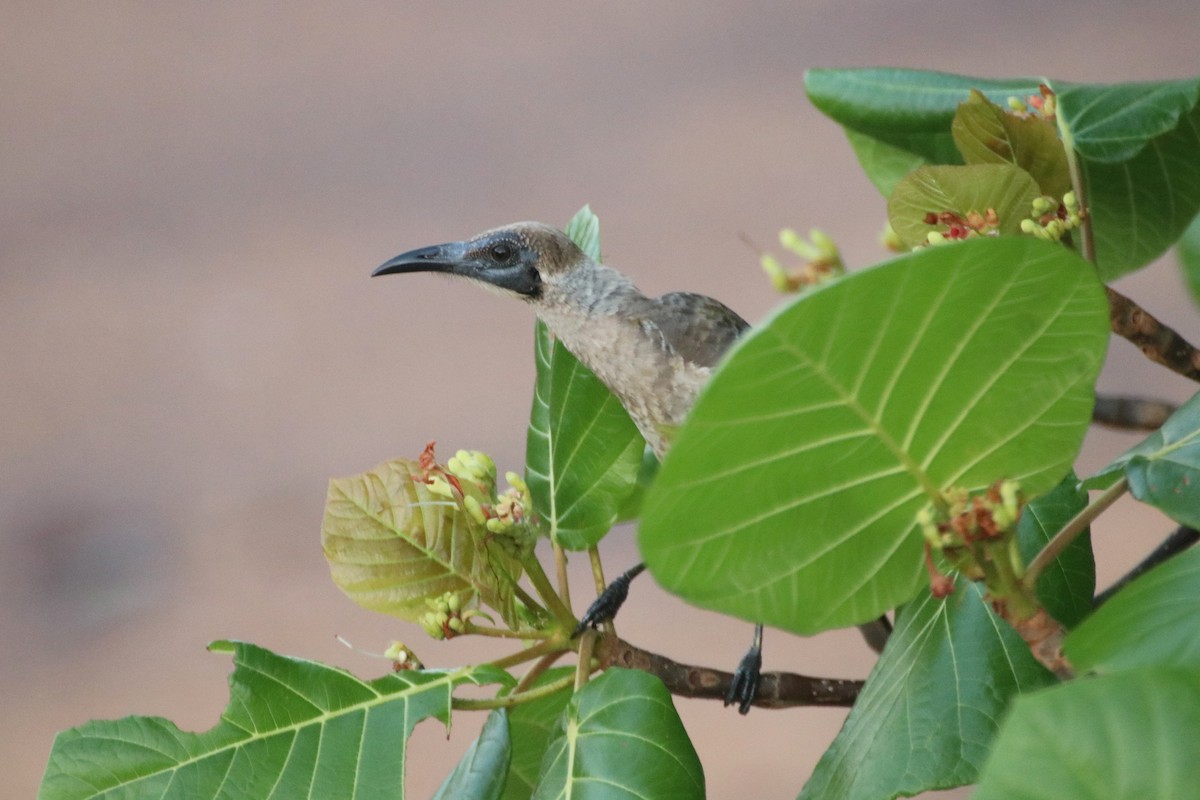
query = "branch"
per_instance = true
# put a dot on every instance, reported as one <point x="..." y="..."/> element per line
<point x="777" y="689"/>
<point x="1159" y="343"/>
<point x="1131" y="413"/>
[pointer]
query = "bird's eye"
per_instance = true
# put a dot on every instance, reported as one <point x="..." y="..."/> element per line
<point x="502" y="252"/>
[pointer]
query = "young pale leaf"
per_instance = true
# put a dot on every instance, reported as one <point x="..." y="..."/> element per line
<point x="481" y="773"/>
<point x="1126" y="736"/>
<point x="1006" y="189"/>
<point x="932" y="704"/>
<point x="582" y="451"/>
<point x="1067" y="586"/>
<point x="293" y="728"/>
<point x="1164" y="468"/>
<point x="1151" y="622"/>
<point x="1188" y="251"/>
<point x="791" y="494"/>
<point x="531" y="725"/>
<point x="985" y="133"/>
<point x="620" y="736"/>
<point x="392" y="544"/>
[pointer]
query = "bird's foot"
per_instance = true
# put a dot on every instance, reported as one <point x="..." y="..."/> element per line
<point x="744" y="687"/>
<point x="606" y="606"/>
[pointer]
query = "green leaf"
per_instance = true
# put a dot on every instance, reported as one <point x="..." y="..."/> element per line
<point x="1138" y="144"/>
<point x="1188" y="251"/>
<point x="885" y="164"/>
<point x="293" y="728"/>
<point x="931" y="706"/>
<point x="985" y="133"/>
<point x="1139" y="150"/>
<point x="392" y="544"/>
<point x="1068" y="584"/>
<point x="1164" y="468"/>
<point x="620" y="736"/>
<point x="910" y="110"/>
<point x="1127" y="736"/>
<point x="481" y="773"/>
<point x="582" y="452"/>
<point x="791" y="493"/>
<point x="1151" y="622"/>
<point x="1007" y="189"/>
<point x="531" y="725"/>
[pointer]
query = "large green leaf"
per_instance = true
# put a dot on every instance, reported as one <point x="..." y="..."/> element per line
<point x="620" y="736"/>
<point x="907" y="109"/>
<point x="945" y="657"/>
<point x="1151" y="622"/>
<point x="1127" y="736"/>
<point x="932" y="704"/>
<point x="392" y="544"/>
<point x="293" y="728"/>
<point x="582" y="451"/>
<point x="1164" y="468"/>
<point x="481" y="773"/>
<point x="791" y="492"/>
<point x="1138" y="144"/>
<point x="531" y="725"/>
<point x="1139" y="149"/>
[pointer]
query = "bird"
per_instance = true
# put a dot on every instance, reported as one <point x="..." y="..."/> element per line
<point x="653" y="353"/>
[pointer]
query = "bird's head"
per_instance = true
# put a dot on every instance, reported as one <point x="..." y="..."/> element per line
<point x="521" y="259"/>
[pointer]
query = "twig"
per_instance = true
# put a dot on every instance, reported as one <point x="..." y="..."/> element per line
<point x="1173" y="545"/>
<point x="1157" y="341"/>
<point x="1072" y="529"/>
<point x="560" y="567"/>
<point x="533" y="568"/>
<point x="508" y="700"/>
<point x="776" y="689"/>
<point x="543" y="664"/>
<point x="1131" y="413"/>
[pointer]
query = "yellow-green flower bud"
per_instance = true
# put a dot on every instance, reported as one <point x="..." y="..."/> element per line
<point x="934" y="238"/>
<point x="1029" y="226"/>
<point x="474" y="509"/>
<point x="453" y="604"/>
<point x="775" y="273"/>
<point x="441" y="487"/>
<point x="456" y="624"/>
<point x="1017" y="104"/>
<point x="1070" y="201"/>
<point x="498" y="525"/>
<point x="1042" y="205"/>
<point x="516" y="481"/>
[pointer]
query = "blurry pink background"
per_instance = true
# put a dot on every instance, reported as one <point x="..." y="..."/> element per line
<point x="194" y="195"/>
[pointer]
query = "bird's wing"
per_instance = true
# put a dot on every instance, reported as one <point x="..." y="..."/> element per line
<point x="697" y="327"/>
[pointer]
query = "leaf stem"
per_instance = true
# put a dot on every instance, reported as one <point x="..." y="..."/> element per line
<point x="501" y="633"/>
<point x="587" y="643"/>
<point x="516" y="698"/>
<point x="1070" y="531"/>
<point x="560" y="567"/>
<point x="597" y="569"/>
<point x="529" y="653"/>
<point x="533" y="568"/>
<point x="1087" y="247"/>
<point x="537" y="669"/>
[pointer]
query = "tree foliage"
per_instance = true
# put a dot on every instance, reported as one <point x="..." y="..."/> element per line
<point x="900" y="439"/>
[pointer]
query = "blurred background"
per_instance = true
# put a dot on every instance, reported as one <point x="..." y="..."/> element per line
<point x="194" y="195"/>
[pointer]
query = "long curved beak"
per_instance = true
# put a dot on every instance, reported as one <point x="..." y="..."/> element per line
<point x="438" y="258"/>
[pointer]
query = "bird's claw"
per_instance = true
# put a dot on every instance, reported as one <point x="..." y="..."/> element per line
<point x="609" y="602"/>
<point x="744" y="686"/>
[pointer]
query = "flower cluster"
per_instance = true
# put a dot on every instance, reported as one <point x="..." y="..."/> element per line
<point x="974" y="534"/>
<point x="821" y="261"/>
<point x="1051" y="219"/>
<point x="956" y="226"/>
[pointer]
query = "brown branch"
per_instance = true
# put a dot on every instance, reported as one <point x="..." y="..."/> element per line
<point x="777" y="689"/>
<point x="1157" y="342"/>
<point x="1131" y="413"/>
